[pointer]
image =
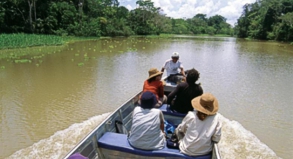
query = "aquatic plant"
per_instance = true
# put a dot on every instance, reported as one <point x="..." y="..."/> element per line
<point x="23" y="61"/>
<point x="9" y="41"/>
<point x="80" y="64"/>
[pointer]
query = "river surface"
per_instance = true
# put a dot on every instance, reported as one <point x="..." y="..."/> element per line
<point x="48" y="104"/>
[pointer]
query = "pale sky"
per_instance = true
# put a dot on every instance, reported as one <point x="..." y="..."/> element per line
<point x="230" y="9"/>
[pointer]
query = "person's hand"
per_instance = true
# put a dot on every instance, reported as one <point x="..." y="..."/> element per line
<point x="160" y="103"/>
<point x="184" y="79"/>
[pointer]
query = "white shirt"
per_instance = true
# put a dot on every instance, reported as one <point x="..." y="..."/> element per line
<point x="146" y="133"/>
<point x="199" y="134"/>
<point x="171" y="67"/>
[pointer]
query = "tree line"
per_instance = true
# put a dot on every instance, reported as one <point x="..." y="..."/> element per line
<point x="100" y="18"/>
<point x="266" y="20"/>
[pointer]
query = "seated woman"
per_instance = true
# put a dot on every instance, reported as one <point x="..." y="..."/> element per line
<point x="155" y="85"/>
<point x="147" y="130"/>
<point x="201" y="127"/>
<point x="180" y="98"/>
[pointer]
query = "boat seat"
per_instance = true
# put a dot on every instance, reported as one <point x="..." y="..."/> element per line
<point x="118" y="142"/>
<point x="166" y="110"/>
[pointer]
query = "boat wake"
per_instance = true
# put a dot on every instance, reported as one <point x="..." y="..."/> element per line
<point x="239" y="143"/>
<point x="59" y="144"/>
<point x="236" y="142"/>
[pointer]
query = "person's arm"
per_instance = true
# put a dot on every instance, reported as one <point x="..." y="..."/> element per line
<point x="217" y="135"/>
<point x="144" y="86"/>
<point x="185" y="123"/>
<point x="161" y="90"/>
<point x="164" y="66"/>
<point x="162" y="122"/>
<point x="172" y="95"/>
<point x="182" y="71"/>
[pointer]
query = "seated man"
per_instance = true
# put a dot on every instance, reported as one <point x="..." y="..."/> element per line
<point x="172" y="66"/>
<point x="147" y="130"/>
<point x="184" y="93"/>
<point x="201" y="127"/>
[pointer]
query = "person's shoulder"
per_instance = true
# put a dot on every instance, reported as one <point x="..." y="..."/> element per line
<point x="168" y="60"/>
<point x="182" y="85"/>
<point x="137" y="108"/>
<point x="191" y="114"/>
<point x="158" y="111"/>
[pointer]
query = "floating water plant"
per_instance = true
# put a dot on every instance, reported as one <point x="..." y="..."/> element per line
<point x="76" y="54"/>
<point x="86" y="58"/>
<point x="2" y="67"/>
<point x="80" y="64"/>
<point x="23" y="61"/>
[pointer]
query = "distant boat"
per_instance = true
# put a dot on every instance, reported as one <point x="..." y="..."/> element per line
<point x="109" y="139"/>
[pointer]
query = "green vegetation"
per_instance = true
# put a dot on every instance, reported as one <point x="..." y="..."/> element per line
<point x="29" y="53"/>
<point x="8" y="41"/>
<point x="266" y="20"/>
<point x="95" y="18"/>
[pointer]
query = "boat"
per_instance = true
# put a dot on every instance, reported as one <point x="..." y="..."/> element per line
<point x="109" y="139"/>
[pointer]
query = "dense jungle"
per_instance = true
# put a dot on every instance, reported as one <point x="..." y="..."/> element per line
<point x="264" y="19"/>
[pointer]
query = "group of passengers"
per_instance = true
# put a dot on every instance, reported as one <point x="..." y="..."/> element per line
<point x="199" y="129"/>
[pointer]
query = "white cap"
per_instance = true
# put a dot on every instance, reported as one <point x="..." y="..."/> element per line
<point x="175" y="54"/>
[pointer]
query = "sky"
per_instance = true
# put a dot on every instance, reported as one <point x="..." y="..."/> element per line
<point x="230" y="9"/>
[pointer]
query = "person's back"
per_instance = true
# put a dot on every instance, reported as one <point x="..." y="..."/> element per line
<point x="201" y="127"/>
<point x="147" y="125"/>
<point x="184" y="93"/>
<point x="198" y="137"/>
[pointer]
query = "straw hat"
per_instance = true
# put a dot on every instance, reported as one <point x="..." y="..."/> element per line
<point x="153" y="72"/>
<point x="206" y="103"/>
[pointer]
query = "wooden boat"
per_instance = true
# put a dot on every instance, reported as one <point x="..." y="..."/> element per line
<point x="105" y="143"/>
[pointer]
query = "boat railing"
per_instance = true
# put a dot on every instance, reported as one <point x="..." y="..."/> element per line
<point x="88" y="145"/>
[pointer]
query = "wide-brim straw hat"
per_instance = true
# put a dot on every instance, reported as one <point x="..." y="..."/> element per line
<point x="206" y="103"/>
<point x="153" y="72"/>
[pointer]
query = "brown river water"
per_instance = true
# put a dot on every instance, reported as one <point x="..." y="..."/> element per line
<point x="49" y="104"/>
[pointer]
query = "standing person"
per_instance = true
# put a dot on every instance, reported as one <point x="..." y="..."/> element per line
<point x="147" y="130"/>
<point x="201" y="127"/>
<point x="172" y="67"/>
<point x="155" y="85"/>
<point x="184" y="93"/>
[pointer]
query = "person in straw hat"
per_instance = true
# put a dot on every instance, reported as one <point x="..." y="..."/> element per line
<point x="154" y="84"/>
<point x="201" y="127"/>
